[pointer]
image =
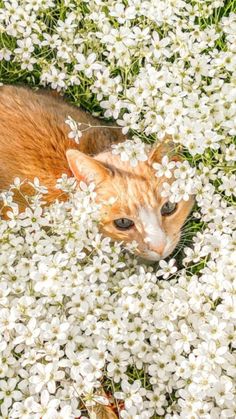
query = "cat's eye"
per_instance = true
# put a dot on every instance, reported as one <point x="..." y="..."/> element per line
<point x="168" y="208"/>
<point x="123" y="223"/>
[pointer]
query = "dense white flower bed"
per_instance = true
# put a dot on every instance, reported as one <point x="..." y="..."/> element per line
<point x="76" y="312"/>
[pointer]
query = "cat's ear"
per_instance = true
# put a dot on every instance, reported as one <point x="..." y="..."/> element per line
<point x="86" y="168"/>
<point x="159" y="150"/>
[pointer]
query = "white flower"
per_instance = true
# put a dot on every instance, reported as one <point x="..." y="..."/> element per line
<point x="75" y="133"/>
<point x="54" y="77"/>
<point x="183" y="170"/>
<point x="213" y="330"/>
<point x="210" y="353"/>
<point x="227" y="307"/>
<point x="228" y="185"/>
<point x="164" y="169"/>
<point x="223" y="391"/>
<point x="157" y="401"/>
<point x="23" y="409"/>
<point x="56" y="330"/>
<point x="87" y="64"/>
<point x="46" y="375"/>
<point x="47" y="407"/>
<point x="98" y="271"/>
<point x="25" y="47"/>
<point x="8" y="391"/>
<point x="230" y="153"/>
<point x="167" y="268"/>
<point x="112" y="106"/>
<point x="5" y="54"/>
<point x="184" y="338"/>
<point x="28" y="333"/>
<point x="130" y="393"/>
<point x="32" y="218"/>
<point x="123" y="14"/>
<point x="8" y="319"/>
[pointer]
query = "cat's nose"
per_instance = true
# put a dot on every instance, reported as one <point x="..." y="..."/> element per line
<point x="158" y="249"/>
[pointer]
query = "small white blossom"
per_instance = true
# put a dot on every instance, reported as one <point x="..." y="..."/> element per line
<point x="74" y="133"/>
<point x="167" y="268"/>
<point x="130" y="393"/>
<point x="165" y="168"/>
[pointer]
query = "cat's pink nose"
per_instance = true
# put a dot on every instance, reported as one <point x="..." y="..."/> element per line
<point x="158" y="249"/>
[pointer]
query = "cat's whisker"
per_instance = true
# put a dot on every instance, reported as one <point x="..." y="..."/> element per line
<point x="188" y="228"/>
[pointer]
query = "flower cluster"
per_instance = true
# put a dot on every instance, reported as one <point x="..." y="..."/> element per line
<point x="79" y="317"/>
<point x="185" y="182"/>
<point x="132" y="151"/>
<point x="77" y="310"/>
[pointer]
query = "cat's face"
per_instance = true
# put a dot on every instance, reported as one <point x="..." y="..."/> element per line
<point x="139" y="212"/>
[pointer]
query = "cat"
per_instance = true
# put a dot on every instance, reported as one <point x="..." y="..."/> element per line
<point x="34" y="143"/>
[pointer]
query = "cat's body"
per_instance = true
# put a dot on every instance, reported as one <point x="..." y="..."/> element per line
<point x="34" y="137"/>
<point x="34" y="143"/>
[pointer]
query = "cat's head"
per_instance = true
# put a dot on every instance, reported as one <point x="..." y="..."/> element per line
<point x="139" y="212"/>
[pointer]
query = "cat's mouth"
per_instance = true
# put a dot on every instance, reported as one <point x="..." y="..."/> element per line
<point x="152" y="256"/>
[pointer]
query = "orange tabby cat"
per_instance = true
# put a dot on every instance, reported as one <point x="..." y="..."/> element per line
<point x="34" y="143"/>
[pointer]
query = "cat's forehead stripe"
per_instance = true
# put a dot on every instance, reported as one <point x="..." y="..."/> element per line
<point x="141" y="191"/>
